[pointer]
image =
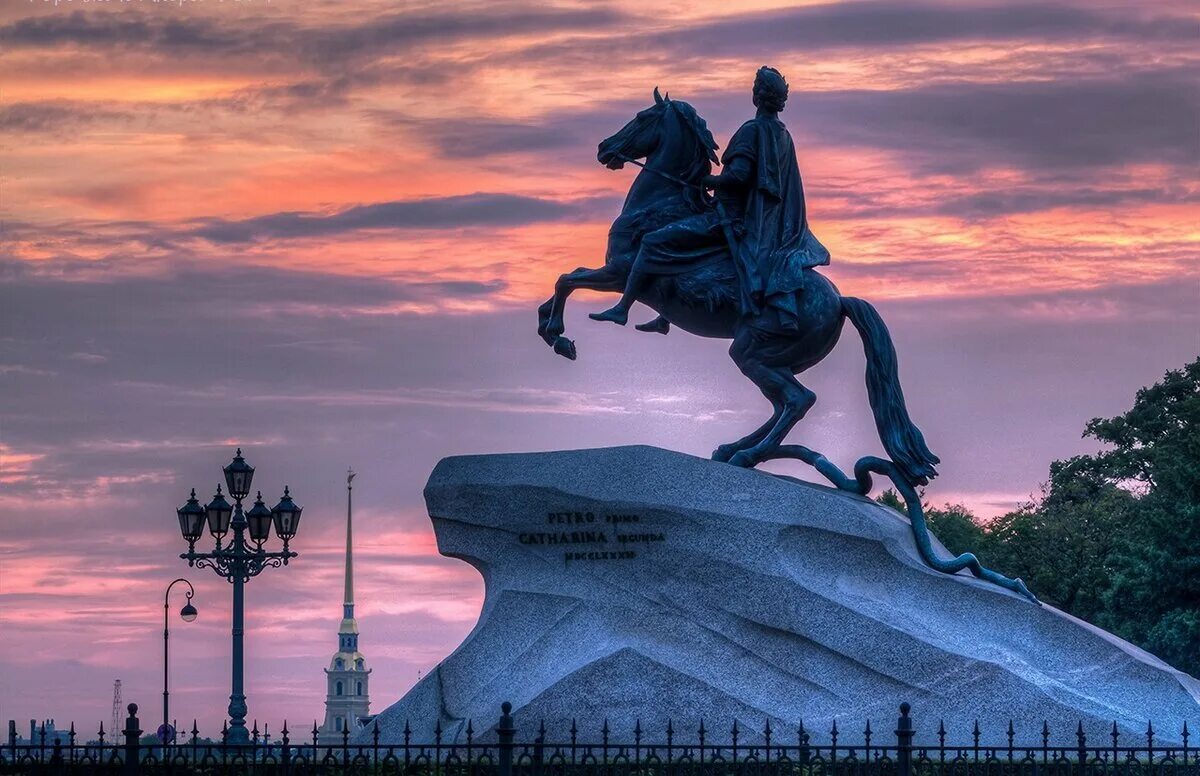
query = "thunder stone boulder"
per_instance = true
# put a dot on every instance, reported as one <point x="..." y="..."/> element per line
<point x="636" y="584"/>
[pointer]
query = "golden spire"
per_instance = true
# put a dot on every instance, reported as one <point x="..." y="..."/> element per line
<point x="349" y="597"/>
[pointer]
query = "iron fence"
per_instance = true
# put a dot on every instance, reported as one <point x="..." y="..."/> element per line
<point x="773" y="753"/>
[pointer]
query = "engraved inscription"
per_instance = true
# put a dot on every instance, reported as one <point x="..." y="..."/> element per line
<point x="587" y="535"/>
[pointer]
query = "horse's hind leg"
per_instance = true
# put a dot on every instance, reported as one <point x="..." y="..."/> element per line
<point x="727" y="451"/>
<point x="774" y="378"/>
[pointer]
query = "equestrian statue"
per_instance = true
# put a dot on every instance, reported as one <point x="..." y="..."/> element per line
<point x="741" y="264"/>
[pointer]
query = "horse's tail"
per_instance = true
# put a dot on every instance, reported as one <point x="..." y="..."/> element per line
<point x="902" y="440"/>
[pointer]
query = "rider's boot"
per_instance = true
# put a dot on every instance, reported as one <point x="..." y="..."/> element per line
<point x="659" y="325"/>
<point x="618" y="314"/>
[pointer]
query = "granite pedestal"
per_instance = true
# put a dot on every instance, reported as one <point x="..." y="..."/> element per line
<point x="639" y="585"/>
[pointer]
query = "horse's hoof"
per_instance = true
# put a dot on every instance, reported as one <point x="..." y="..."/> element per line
<point x="723" y="453"/>
<point x="551" y="334"/>
<point x="743" y="459"/>
<point x="565" y="348"/>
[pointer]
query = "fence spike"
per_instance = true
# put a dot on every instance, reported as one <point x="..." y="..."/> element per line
<point x="1045" y="733"/>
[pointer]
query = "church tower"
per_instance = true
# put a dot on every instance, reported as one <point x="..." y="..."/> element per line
<point x="347" y="703"/>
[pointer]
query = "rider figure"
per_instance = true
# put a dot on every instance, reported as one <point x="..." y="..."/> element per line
<point x="760" y="195"/>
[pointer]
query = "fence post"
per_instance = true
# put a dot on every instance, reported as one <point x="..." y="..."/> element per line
<point x="539" y="744"/>
<point x="133" y="734"/>
<point x="285" y="754"/>
<point x="904" y="738"/>
<point x="1082" y="751"/>
<point x="505" y="732"/>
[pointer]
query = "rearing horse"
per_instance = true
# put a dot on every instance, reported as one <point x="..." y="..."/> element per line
<point x="679" y="151"/>
<point x="677" y="146"/>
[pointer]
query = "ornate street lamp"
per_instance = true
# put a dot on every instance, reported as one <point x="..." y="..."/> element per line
<point x="166" y="733"/>
<point x="240" y="559"/>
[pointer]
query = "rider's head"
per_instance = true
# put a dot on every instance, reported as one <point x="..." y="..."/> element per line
<point x="770" y="90"/>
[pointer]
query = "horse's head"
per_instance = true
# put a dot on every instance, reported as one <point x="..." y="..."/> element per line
<point x="670" y="135"/>
<point x="638" y="138"/>
<point x="652" y="128"/>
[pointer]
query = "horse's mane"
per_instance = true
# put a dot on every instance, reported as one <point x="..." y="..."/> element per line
<point x="705" y="152"/>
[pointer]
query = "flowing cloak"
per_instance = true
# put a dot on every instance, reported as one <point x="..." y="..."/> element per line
<point x="776" y="245"/>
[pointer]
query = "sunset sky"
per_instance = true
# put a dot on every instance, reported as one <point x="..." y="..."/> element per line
<point x="320" y="230"/>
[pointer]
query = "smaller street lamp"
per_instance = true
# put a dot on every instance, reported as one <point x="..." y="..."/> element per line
<point x="188" y="613"/>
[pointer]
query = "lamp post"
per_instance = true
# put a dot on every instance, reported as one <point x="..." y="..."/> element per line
<point x="166" y="733"/>
<point x="240" y="559"/>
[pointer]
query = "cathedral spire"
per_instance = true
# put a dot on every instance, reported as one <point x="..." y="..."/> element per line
<point x="347" y="703"/>
<point x="348" y="599"/>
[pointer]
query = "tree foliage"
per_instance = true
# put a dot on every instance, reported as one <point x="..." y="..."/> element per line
<point x="1115" y="537"/>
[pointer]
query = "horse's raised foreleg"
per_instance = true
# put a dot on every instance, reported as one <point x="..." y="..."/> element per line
<point x="601" y="279"/>
<point x="550" y="314"/>
<point x="775" y="379"/>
